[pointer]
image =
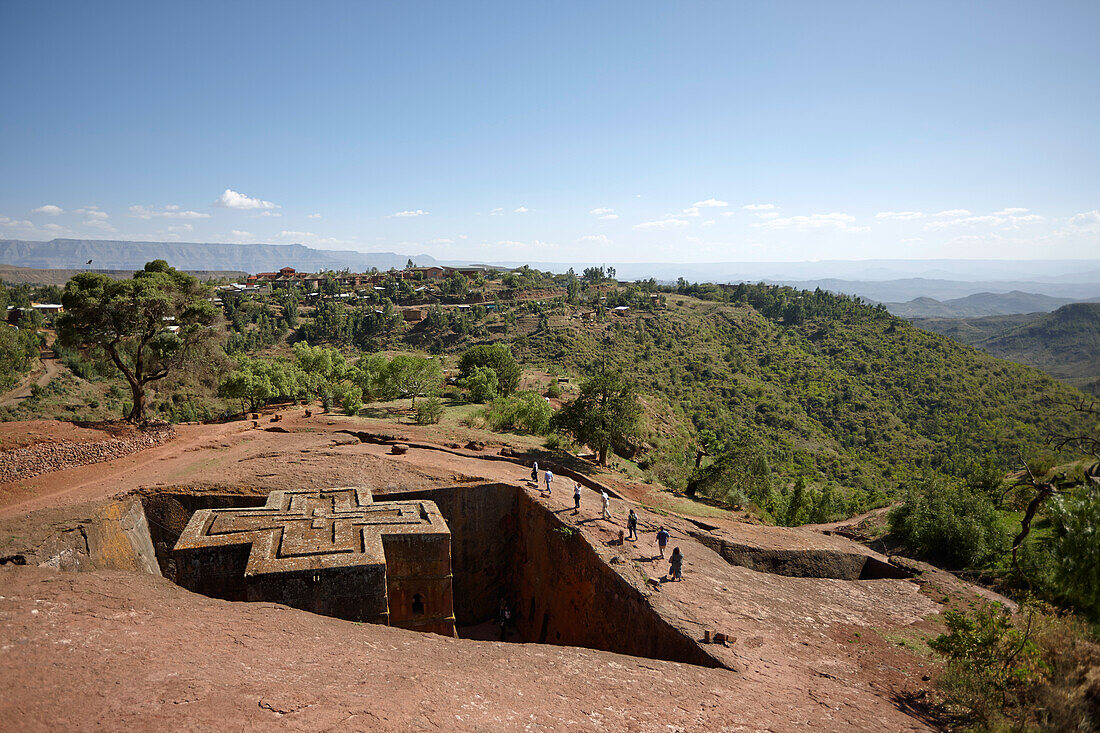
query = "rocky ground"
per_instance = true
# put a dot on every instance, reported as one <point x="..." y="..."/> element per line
<point x="110" y="649"/>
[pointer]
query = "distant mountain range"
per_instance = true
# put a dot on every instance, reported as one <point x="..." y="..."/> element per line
<point x="120" y="255"/>
<point x="978" y="305"/>
<point x="888" y="281"/>
<point x="1064" y="344"/>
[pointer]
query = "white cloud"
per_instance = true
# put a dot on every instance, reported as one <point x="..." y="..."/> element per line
<point x="594" y="239"/>
<point x="768" y="215"/>
<point x="441" y="240"/>
<point x="93" y="213"/>
<point x="48" y="210"/>
<point x="269" y="213"/>
<point x="1004" y="219"/>
<point x="899" y="215"/>
<point x="498" y="211"/>
<point x="759" y="207"/>
<point x="182" y="228"/>
<point x="609" y="217"/>
<point x="708" y="222"/>
<point x="231" y="199"/>
<point x="834" y="220"/>
<point x="912" y="239"/>
<point x="296" y="235"/>
<point x="408" y="213"/>
<point x="522" y="210"/>
<point x="692" y="211"/>
<point x="601" y="210"/>
<point x="953" y="212"/>
<point x="710" y="203"/>
<point x="168" y="212"/>
<point x="314" y="216"/>
<point x="666" y="223"/>
<point x="726" y="213"/>
<point x="100" y="224"/>
<point x="239" y="234"/>
<point x="1086" y="221"/>
<point x="6" y="221"/>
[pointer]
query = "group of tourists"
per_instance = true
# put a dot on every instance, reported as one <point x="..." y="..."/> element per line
<point x="676" y="561"/>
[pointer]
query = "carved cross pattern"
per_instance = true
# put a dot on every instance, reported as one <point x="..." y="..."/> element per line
<point x="308" y="529"/>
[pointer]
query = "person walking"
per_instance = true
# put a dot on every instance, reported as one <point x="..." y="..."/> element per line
<point x="576" y="498"/>
<point x="632" y="526"/>
<point x="606" y="505"/>
<point x="662" y="540"/>
<point x="549" y="477"/>
<point x="535" y="472"/>
<point x="676" y="565"/>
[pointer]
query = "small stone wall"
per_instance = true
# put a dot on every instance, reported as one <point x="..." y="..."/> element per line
<point x="23" y="463"/>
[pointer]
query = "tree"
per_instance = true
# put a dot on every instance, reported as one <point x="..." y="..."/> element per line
<point x="497" y="357"/>
<point x="148" y="325"/>
<point x="739" y="472"/>
<point x="481" y="384"/>
<point x="414" y="376"/>
<point x="605" y="412"/>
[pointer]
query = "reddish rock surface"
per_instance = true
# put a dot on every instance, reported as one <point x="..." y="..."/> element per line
<point x="126" y="650"/>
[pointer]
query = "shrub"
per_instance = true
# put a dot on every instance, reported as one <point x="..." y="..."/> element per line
<point x="429" y="411"/>
<point x="481" y="383"/>
<point x="525" y="412"/>
<point x="1028" y="672"/>
<point x="499" y="358"/>
<point x="949" y="524"/>
<point x="352" y="400"/>
<point x="554" y="390"/>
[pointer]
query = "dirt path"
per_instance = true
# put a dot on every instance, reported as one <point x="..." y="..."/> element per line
<point x="103" y="480"/>
<point x="48" y="368"/>
<point x="850" y="521"/>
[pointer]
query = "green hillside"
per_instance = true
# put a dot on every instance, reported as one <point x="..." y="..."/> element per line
<point x="815" y="386"/>
<point x="1065" y="344"/>
<point x="842" y="392"/>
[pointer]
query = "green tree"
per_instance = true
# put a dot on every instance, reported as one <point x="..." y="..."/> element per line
<point x="1075" y="549"/>
<point x="526" y="412"/>
<point x="481" y="384"/>
<point x="414" y="376"/>
<point x="148" y="325"/>
<point x="739" y="472"/>
<point x="606" y="412"/>
<point x="950" y="524"/>
<point x="497" y="357"/>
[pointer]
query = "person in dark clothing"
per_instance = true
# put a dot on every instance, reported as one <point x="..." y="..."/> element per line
<point x="576" y="498"/>
<point x="676" y="564"/>
<point x="662" y="540"/>
<point x="505" y="618"/>
<point x="632" y="526"/>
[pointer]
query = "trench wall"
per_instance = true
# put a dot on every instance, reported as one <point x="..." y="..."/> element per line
<point x="505" y="544"/>
<point x="802" y="563"/>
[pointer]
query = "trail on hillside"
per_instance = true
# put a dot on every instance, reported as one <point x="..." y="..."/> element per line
<point x="48" y="367"/>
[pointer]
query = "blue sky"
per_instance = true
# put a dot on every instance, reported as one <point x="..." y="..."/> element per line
<point x="559" y="131"/>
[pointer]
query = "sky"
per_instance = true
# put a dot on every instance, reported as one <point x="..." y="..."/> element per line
<point x="554" y="132"/>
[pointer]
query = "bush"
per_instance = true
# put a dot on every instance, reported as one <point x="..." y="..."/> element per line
<point x="526" y="412"/>
<point x="950" y="525"/>
<point x="429" y="411"/>
<point x="481" y="383"/>
<point x="352" y="400"/>
<point x="1028" y="672"/>
<point x="499" y="358"/>
<point x="554" y="390"/>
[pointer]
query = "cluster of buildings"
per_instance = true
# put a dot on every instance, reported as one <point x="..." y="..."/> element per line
<point x="288" y="277"/>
